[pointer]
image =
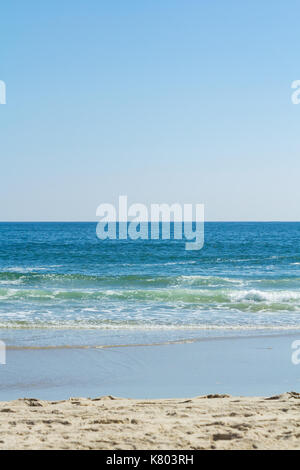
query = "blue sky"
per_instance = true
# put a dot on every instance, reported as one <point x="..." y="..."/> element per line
<point x="164" y="101"/>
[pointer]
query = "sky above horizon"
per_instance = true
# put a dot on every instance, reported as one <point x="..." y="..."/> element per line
<point x="163" y="101"/>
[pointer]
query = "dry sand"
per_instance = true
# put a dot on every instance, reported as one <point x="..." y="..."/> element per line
<point x="211" y="422"/>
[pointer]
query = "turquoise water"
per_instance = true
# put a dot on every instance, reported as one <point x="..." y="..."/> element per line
<point x="59" y="284"/>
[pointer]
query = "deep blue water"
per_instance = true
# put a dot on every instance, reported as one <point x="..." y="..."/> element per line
<point x="59" y="276"/>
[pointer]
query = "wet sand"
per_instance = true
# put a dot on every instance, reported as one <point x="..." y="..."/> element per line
<point x="249" y="366"/>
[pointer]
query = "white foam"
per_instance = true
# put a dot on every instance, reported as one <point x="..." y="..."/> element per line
<point x="264" y="296"/>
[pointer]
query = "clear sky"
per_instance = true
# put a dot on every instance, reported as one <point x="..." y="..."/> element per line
<point x="161" y="100"/>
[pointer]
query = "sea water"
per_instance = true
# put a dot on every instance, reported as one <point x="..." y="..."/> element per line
<point x="62" y="286"/>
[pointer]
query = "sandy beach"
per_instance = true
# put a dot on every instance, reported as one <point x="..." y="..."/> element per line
<point x="208" y="422"/>
<point x="246" y="409"/>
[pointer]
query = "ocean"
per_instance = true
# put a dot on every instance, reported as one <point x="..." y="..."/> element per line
<point x="58" y="277"/>
<point x="147" y="318"/>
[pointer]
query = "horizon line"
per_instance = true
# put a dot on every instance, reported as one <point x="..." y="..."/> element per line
<point x="117" y="221"/>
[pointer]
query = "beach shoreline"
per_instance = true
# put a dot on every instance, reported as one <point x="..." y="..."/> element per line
<point x="241" y="366"/>
<point x="239" y="387"/>
<point x="110" y="423"/>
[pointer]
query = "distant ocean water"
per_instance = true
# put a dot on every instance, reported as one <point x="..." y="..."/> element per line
<point x="60" y="280"/>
